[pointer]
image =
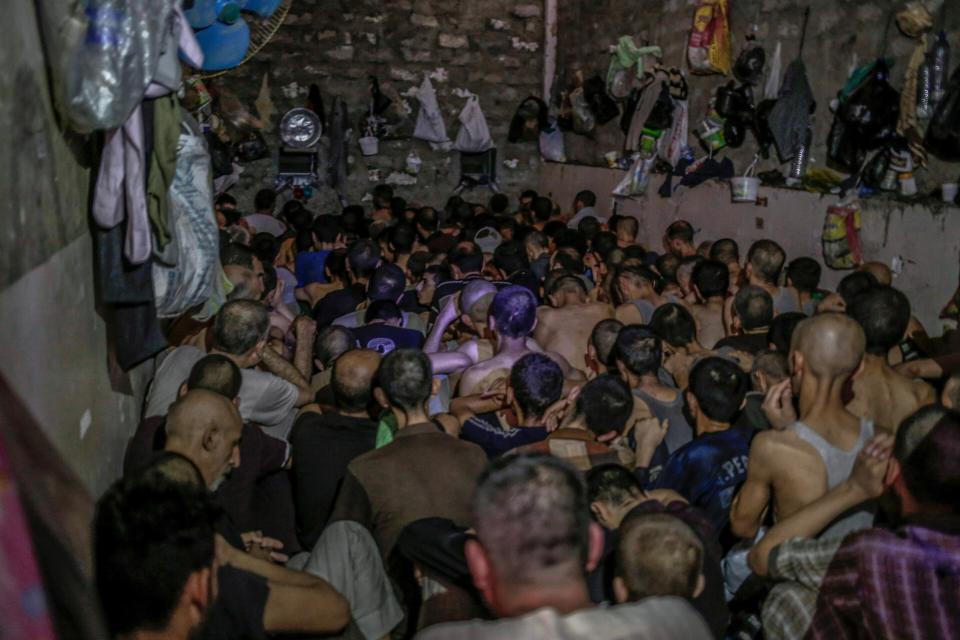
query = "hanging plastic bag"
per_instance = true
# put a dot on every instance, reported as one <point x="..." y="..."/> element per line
<point x="627" y="66"/>
<point x="529" y="120"/>
<point x="474" y="135"/>
<point x="552" y="146"/>
<point x="111" y="67"/>
<point x="708" y="49"/>
<point x="865" y="120"/>
<point x="430" y="125"/>
<point x="637" y="178"/>
<point x="943" y="133"/>
<point x="584" y="122"/>
<point x="772" y="88"/>
<point x="841" y="237"/>
<point x="191" y="280"/>
<point x="602" y="105"/>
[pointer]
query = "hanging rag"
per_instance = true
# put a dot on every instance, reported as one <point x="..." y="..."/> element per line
<point x="914" y="21"/>
<point x="120" y="190"/>
<point x="163" y="163"/>
<point x="790" y="117"/>
<point x="627" y="55"/>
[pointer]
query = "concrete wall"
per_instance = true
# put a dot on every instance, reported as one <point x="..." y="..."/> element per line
<point x="927" y="239"/>
<point x="53" y="347"/>
<point x="840" y="36"/>
<point x="479" y="47"/>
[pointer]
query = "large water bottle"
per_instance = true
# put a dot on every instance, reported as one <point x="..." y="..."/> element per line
<point x="924" y="79"/>
<point x="940" y="56"/>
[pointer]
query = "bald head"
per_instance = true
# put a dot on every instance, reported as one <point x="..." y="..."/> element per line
<point x="831" y="344"/>
<point x="205" y="427"/>
<point x="352" y="382"/>
<point x="879" y="271"/>
<point x="475" y="299"/>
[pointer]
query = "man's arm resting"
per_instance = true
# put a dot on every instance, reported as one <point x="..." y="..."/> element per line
<point x="279" y="367"/>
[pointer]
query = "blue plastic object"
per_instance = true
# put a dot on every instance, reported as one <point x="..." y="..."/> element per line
<point x="263" y="8"/>
<point x="224" y="45"/>
<point x="202" y="14"/>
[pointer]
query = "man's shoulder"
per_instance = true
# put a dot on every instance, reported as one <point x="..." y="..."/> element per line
<point x="661" y="617"/>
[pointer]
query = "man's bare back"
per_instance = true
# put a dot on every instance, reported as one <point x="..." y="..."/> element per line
<point x="566" y="330"/>
<point x="886" y="397"/>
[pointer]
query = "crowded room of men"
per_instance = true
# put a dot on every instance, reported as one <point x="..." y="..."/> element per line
<point x="480" y="320"/>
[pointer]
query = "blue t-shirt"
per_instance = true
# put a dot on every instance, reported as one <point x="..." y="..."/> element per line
<point x="486" y="431"/>
<point x="309" y="267"/>
<point x="708" y="471"/>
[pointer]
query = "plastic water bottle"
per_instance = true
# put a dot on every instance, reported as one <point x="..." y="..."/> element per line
<point x="940" y="68"/>
<point x="798" y="168"/>
<point x="924" y="78"/>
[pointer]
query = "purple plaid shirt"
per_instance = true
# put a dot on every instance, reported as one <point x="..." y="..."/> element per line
<point x="892" y="584"/>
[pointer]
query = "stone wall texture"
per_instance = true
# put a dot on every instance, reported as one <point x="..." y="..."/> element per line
<point x="464" y="46"/>
<point x="841" y="34"/>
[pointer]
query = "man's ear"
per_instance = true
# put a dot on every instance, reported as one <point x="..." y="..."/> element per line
<point x="491" y="324"/>
<point x="858" y="371"/>
<point x="435" y="385"/>
<point x="381" y="398"/>
<point x="198" y="594"/>
<point x="701" y="585"/>
<point x="892" y="474"/>
<point x="696" y="292"/>
<point x="509" y="396"/>
<point x="692" y="404"/>
<point x="595" y="547"/>
<point x="318" y="364"/>
<point x="182" y="391"/>
<point x="620" y="592"/>
<point x="480" y="570"/>
<point x="211" y="438"/>
<point x="552" y="298"/>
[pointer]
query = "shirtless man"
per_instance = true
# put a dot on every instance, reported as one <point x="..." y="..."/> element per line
<point x="881" y="394"/>
<point x="626" y="229"/>
<point x="764" y="263"/>
<point x="678" y="239"/>
<point x="711" y="281"/>
<point x="796" y="462"/>
<point x="565" y="325"/>
<point x="512" y="319"/>
<point x="635" y="284"/>
<point x="726" y="251"/>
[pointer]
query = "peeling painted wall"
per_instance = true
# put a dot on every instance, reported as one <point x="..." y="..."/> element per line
<point x="927" y="238"/>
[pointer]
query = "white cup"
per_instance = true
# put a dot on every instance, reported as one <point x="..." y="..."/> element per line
<point x="950" y="191"/>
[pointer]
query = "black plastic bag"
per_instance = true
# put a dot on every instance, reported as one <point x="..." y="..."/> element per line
<point x="532" y="108"/>
<point x="602" y="105"/>
<point x="866" y="120"/>
<point x="221" y="155"/>
<point x="748" y="68"/>
<point x="943" y="133"/>
<point x="661" y="116"/>
<point x="875" y="170"/>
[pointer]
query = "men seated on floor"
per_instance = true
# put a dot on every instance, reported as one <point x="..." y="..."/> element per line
<point x="564" y="326"/>
<point x="534" y="546"/>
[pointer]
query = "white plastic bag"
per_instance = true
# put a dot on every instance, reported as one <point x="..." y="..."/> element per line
<point x="637" y="178"/>
<point x="772" y="88"/>
<point x="675" y="139"/>
<point x="474" y="135"/>
<point x="552" y="147"/>
<point x="430" y="126"/>
<point x="192" y="280"/>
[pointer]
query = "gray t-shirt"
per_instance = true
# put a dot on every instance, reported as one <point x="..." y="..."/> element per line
<point x="679" y="431"/>
<point x="265" y="399"/>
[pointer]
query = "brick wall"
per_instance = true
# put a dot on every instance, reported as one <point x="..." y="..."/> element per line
<point x="479" y="47"/>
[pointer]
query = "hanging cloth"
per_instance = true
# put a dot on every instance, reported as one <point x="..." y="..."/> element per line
<point x="163" y="162"/>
